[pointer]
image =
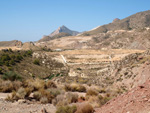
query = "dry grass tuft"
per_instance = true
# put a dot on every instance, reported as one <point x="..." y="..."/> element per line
<point x="50" y="84"/>
<point x="65" y="99"/>
<point x="91" y="92"/>
<point x="43" y="93"/>
<point x="66" y="109"/>
<point x="75" y="87"/>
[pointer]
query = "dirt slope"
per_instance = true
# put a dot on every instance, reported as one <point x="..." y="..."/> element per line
<point x="136" y="100"/>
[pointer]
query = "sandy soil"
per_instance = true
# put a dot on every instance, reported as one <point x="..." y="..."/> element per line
<point x="17" y="107"/>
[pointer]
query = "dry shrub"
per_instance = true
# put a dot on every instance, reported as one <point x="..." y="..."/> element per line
<point x="84" y="108"/>
<point x="50" y="84"/>
<point x="91" y="92"/>
<point x="6" y="86"/>
<point x="104" y="99"/>
<point x="66" y="109"/>
<point x="12" y="97"/>
<point x="38" y="84"/>
<point x="72" y="97"/>
<point x="44" y="100"/>
<point x="62" y="103"/>
<point x="17" y="85"/>
<point x="60" y="100"/>
<point x="29" y="84"/>
<point x="9" y="86"/>
<point x="43" y="93"/>
<point x="82" y="98"/>
<point x="102" y="91"/>
<point x="75" y="87"/>
<point x="21" y="93"/>
<point x="54" y="91"/>
<point x="94" y="101"/>
<point x="28" y="91"/>
<point x="37" y="95"/>
<point x="35" y="85"/>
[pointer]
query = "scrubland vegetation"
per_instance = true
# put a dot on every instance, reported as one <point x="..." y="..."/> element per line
<point x="46" y="91"/>
<point x="68" y="98"/>
<point x="9" y="58"/>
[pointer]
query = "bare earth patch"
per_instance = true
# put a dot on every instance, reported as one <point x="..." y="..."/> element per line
<point x="16" y="107"/>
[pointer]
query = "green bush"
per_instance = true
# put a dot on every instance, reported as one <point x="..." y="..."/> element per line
<point x="1" y="63"/>
<point x="12" y="62"/>
<point x="36" y="62"/>
<point x="19" y="57"/>
<point x="67" y="109"/>
<point x="10" y="68"/>
<point x="29" y="53"/>
<point x="12" y="76"/>
<point x="12" y="56"/>
<point x="5" y="57"/>
<point x="7" y="63"/>
<point x="1" y="71"/>
<point x="10" y="50"/>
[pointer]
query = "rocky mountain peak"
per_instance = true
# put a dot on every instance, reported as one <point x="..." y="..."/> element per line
<point x="116" y="20"/>
<point x="65" y="30"/>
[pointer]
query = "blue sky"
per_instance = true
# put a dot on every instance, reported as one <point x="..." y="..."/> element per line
<point x="29" y="20"/>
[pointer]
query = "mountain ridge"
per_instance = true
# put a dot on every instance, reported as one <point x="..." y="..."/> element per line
<point x="135" y="21"/>
<point x="58" y="33"/>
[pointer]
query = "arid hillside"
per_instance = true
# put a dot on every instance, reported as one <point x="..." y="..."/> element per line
<point x="135" y="21"/>
<point x="132" y="32"/>
<point x="119" y="39"/>
<point x="105" y="70"/>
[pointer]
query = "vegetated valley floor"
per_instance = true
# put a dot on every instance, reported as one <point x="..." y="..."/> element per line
<point x="83" y="63"/>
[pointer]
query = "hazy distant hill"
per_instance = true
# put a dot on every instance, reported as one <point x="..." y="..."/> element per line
<point x="138" y="20"/>
<point x="59" y="35"/>
<point x="10" y="43"/>
<point x="60" y="32"/>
